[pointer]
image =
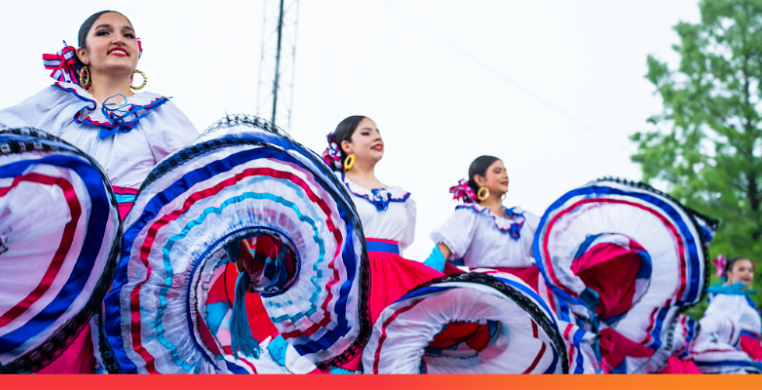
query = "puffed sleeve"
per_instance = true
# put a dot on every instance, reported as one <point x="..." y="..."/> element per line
<point x="14" y="116"/>
<point x="457" y="233"/>
<point x="410" y="213"/>
<point x="168" y="130"/>
<point x="532" y="221"/>
<point x="46" y="110"/>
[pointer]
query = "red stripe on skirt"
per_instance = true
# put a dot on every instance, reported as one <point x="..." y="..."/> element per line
<point x="153" y="231"/>
<point x="63" y="248"/>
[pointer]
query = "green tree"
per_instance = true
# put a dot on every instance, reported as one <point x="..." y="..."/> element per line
<point x="706" y="145"/>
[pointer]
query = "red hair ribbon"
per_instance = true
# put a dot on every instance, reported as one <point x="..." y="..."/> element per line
<point x="63" y="64"/>
<point x="721" y="265"/>
<point x="331" y="155"/>
<point x="463" y="191"/>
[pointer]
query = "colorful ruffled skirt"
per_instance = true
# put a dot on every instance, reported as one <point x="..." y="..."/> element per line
<point x="58" y="238"/>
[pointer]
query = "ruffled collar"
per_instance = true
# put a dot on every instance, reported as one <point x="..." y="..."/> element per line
<point x="113" y="117"/>
<point x="511" y="226"/>
<point x="378" y="197"/>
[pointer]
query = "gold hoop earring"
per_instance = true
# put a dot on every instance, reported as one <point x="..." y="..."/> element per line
<point x="484" y="196"/>
<point x="84" y="77"/>
<point x="349" y="162"/>
<point x="145" y="81"/>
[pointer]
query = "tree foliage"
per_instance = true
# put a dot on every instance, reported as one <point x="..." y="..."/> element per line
<point x="706" y="145"/>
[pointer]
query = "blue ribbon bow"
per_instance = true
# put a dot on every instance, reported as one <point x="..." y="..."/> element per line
<point x="119" y="116"/>
<point x="379" y="200"/>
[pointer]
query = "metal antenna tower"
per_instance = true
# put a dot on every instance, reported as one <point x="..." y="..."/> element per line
<point x="276" y="69"/>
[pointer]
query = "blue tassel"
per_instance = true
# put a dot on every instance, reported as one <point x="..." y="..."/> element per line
<point x="590" y="299"/>
<point x="240" y="332"/>
<point x="276" y="271"/>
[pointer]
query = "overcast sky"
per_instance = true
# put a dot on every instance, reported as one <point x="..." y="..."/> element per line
<point x="554" y="88"/>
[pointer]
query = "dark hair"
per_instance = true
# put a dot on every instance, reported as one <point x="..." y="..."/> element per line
<point x="88" y="24"/>
<point x="344" y="132"/>
<point x="732" y="262"/>
<point x="479" y="167"/>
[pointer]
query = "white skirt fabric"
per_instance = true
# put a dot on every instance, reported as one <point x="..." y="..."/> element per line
<point x="716" y="351"/>
<point x="241" y="178"/>
<point x="513" y="330"/>
<point x="59" y="242"/>
<point x="684" y="337"/>
<point x="618" y="216"/>
<point x="580" y="344"/>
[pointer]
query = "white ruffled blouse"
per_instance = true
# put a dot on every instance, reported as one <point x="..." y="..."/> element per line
<point x="386" y="213"/>
<point x="482" y="239"/>
<point x="738" y="308"/>
<point x="135" y="143"/>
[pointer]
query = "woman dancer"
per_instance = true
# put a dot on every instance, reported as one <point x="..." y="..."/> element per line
<point x="92" y="106"/>
<point x="482" y="233"/>
<point x="387" y="213"/>
<point x="730" y="297"/>
<point x="728" y="340"/>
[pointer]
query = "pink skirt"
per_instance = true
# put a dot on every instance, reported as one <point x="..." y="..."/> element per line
<point x="77" y="359"/>
<point x="677" y="366"/>
<point x="750" y="344"/>
<point x="391" y="277"/>
<point x="530" y="275"/>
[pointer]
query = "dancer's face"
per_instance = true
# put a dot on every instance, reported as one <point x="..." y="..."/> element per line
<point x="742" y="272"/>
<point x="495" y="179"/>
<point x="367" y="145"/>
<point x="111" y="45"/>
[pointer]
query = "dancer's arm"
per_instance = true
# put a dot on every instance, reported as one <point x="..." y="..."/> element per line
<point x="245" y="261"/>
<point x="438" y="256"/>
